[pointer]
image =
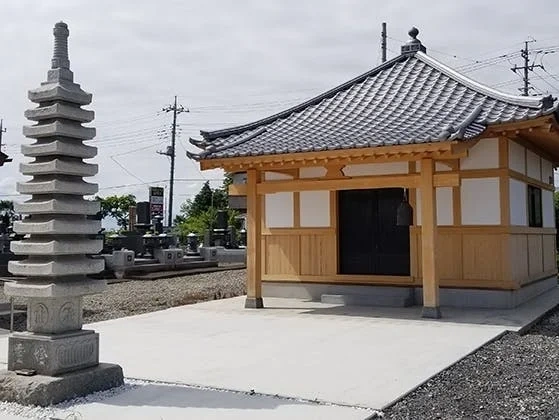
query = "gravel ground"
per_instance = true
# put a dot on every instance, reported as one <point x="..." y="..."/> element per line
<point x="515" y="377"/>
<point x="140" y="296"/>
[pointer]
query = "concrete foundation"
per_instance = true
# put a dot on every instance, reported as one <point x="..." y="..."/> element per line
<point x="407" y="296"/>
<point x="47" y="390"/>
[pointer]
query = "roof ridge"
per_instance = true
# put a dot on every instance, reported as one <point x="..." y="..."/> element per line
<point x="527" y="101"/>
<point x="211" y="135"/>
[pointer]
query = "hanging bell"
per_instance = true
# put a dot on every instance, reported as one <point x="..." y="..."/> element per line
<point x="404" y="214"/>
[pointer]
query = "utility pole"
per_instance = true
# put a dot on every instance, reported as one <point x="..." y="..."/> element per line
<point x="2" y="130"/>
<point x="525" y="53"/>
<point x="383" y="41"/>
<point x="171" y="152"/>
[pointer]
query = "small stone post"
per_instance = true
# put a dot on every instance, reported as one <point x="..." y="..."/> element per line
<point x="61" y="357"/>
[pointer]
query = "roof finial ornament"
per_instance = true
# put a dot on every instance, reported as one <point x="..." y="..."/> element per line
<point x="60" y="55"/>
<point x="414" y="44"/>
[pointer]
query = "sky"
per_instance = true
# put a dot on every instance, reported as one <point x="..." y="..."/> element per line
<point x="232" y="62"/>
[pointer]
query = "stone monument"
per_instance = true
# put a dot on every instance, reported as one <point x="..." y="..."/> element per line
<point x="55" y="359"/>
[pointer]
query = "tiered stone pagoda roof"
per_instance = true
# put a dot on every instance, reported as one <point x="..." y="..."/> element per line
<point x="58" y="225"/>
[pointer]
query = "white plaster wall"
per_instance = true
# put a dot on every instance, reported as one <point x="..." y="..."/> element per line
<point x="484" y="155"/>
<point x="518" y="203"/>
<point x="279" y="210"/>
<point x="445" y="208"/>
<point x="276" y="176"/>
<point x="548" y="210"/>
<point x="533" y="165"/>
<point x="315" y="208"/>
<point x="517" y="157"/>
<point x="376" y="169"/>
<point x="312" y="172"/>
<point x="442" y="167"/>
<point x="480" y="201"/>
<point x="547" y="171"/>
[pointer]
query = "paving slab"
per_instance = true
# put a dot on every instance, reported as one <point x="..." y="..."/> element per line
<point x="351" y="356"/>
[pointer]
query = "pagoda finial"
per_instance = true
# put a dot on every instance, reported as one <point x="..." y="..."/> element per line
<point x="60" y="55"/>
<point x="414" y="44"/>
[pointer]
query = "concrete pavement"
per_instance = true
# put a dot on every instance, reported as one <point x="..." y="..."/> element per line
<point x="347" y="356"/>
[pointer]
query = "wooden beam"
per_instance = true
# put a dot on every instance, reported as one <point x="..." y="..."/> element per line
<point x="504" y="189"/>
<point x="237" y="189"/>
<point x="430" y="272"/>
<point x="254" y="243"/>
<point x="356" y="183"/>
<point x="443" y="150"/>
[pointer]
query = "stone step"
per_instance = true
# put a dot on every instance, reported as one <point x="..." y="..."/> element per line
<point x="60" y="147"/>
<point x="61" y="266"/>
<point x="59" y="110"/>
<point x="60" y="246"/>
<point x="60" y="205"/>
<point x="57" y="186"/>
<point x="59" y="128"/>
<point x="59" y="166"/>
<point x="54" y="225"/>
<point x="70" y="92"/>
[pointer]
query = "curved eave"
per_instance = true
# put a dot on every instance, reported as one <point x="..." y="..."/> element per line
<point x="535" y="102"/>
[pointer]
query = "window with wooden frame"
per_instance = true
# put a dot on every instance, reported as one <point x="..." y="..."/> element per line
<point x="534" y="206"/>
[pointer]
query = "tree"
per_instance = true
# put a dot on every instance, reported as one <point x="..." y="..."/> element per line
<point x="7" y="212"/>
<point x="206" y="198"/>
<point x="117" y="207"/>
<point x="200" y="213"/>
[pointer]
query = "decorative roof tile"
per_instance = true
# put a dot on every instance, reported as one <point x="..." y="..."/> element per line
<point x="410" y="99"/>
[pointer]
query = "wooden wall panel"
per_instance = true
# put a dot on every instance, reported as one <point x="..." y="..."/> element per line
<point x="519" y="258"/>
<point x="535" y="256"/>
<point x="318" y="255"/>
<point x="282" y="254"/>
<point x="449" y="254"/>
<point x="481" y="254"/>
<point x="549" y="257"/>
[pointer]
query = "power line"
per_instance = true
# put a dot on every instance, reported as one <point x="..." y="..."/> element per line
<point x="126" y="170"/>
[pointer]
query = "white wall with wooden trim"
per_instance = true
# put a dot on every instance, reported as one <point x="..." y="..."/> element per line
<point x="279" y="210"/>
<point x="480" y="201"/>
<point x="533" y="165"/>
<point x="445" y="206"/>
<point x="518" y="203"/>
<point x="365" y="169"/>
<point x="312" y="172"/>
<point x="484" y="155"/>
<point x="314" y="208"/>
<point x="480" y="244"/>
<point x="517" y="157"/>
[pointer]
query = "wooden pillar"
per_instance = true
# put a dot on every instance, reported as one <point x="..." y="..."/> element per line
<point x="429" y="240"/>
<point x="254" y="242"/>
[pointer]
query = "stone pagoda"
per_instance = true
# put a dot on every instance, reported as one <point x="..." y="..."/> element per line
<point x="55" y="359"/>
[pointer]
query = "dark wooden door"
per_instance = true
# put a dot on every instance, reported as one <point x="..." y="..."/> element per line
<point x="369" y="240"/>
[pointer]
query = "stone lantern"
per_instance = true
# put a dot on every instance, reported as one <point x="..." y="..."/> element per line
<point x="55" y="359"/>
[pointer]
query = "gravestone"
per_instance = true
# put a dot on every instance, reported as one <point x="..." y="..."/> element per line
<point x="61" y="358"/>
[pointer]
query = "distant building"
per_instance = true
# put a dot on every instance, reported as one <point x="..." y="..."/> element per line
<point x="328" y="183"/>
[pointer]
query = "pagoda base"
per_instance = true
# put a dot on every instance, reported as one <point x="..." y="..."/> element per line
<point x="53" y="354"/>
<point x="47" y="390"/>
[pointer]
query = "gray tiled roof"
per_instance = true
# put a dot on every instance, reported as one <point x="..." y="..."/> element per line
<point x="410" y="99"/>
